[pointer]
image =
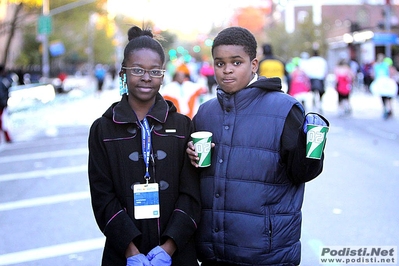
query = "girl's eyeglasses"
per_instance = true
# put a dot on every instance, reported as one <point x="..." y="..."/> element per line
<point x="139" y="72"/>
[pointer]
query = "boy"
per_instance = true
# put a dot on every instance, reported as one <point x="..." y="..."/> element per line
<point x="253" y="191"/>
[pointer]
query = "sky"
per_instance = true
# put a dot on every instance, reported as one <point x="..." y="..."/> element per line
<point x="182" y="15"/>
<point x="188" y="17"/>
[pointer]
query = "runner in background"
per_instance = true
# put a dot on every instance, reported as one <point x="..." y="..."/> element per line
<point x="184" y="93"/>
<point x="271" y="66"/>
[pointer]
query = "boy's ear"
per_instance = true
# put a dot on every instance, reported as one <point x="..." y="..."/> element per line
<point x="255" y="65"/>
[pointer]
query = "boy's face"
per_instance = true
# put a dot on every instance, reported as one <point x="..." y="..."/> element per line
<point x="233" y="67"/>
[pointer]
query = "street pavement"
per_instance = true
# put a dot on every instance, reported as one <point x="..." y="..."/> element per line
<point x="45" y="209"/>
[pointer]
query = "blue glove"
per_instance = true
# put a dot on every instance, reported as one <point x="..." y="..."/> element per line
<point x="158" y="256"/>
<point x="138" y="260"/>
<point x="314" y="119"/>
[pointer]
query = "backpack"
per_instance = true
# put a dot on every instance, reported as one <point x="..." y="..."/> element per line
<point x="344" y="85"/>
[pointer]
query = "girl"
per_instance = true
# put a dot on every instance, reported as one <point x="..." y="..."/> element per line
<point x="145" y="192"/>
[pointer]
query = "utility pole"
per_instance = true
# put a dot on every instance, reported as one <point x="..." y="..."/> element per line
<point x="45" y="52"/>
<point x="388" y="50"/>
<point x="46" y="29"/>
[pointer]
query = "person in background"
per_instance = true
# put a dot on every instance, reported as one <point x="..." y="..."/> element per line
<point x="344" y="78"/>
<point x="271" y="66"/>
<point x="367" y="69"/>
<point x="253" y="191"/>
<point x="99" y="73"/>
<point x="383" y="84"/>
<point x="184" y="93"/>
<point x="356" y="70"/>
<point x="208" y="72"/>
<point x="316" y="69"/>
<point x="300" y="85"/>
<point x="183" y="67"/>
<point x="5" y="85"/>
<point x="144" y="191"/>
<point x="112" y="72"/>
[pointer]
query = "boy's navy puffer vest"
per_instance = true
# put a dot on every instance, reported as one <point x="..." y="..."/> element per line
<point x="251" y="213"/>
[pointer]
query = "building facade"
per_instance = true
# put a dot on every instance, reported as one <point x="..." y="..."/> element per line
<point x="355" y="29"/>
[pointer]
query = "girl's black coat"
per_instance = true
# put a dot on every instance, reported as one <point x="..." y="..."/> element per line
<point x="116" y="163"/>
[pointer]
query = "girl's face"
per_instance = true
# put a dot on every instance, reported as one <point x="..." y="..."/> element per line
<point x="233" y="67"/>
<point x="143" y="89"/>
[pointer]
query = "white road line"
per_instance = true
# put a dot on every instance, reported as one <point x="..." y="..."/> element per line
<point x="52" y="251"/>
<point x="43" y="155"/>
<point x="34" y="202"/>
<point x="44" y="173"/>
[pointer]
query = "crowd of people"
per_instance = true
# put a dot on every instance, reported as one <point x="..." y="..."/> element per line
<point x="307" y="80"/>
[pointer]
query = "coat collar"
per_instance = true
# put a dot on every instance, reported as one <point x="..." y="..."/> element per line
<point x="247" y="95"/>
<point x="122" y="112"/>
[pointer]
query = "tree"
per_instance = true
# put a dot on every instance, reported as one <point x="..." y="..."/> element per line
<point x="16" y="21"/>
<point x="304" y="38"/>
<point x="78" y="31"/>
<point x="72" y="28"/>
<point x="30" y="43"/>
<point x="252" y="18"/>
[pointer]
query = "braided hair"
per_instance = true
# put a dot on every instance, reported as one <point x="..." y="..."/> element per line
<point x="237" y="36"/>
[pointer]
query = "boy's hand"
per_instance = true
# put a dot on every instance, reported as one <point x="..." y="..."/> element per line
<point x="192" y="154"/>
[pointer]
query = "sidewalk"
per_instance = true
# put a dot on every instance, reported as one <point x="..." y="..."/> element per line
<point x="78" y="108"/>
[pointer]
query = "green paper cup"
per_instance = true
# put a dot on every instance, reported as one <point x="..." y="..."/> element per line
<point x="315" y="141"/>
<point x="202" y="142"/>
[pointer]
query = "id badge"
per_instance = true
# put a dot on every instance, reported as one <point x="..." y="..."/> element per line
<point x="146" y="201"/>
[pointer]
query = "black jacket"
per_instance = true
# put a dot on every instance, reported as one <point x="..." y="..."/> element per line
<point x="116" y="163"/>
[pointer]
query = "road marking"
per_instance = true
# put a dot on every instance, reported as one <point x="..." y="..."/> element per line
<point x="44" y="173"/>
<point x="43" y="155"/>
<point x="34" y="202"/>
<point x="52" y="251"/>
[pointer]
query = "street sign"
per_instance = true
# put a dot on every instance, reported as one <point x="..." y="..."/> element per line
<point x="44" y="25"/>
<point x="382" y="38"/>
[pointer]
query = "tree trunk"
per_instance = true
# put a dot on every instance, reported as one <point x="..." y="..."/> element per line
<point x="13" y="28"/>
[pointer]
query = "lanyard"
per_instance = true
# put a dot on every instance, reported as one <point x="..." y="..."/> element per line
<point x="146" y="146"/>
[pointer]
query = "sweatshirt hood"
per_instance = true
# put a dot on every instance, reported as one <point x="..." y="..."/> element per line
<point x="267" y="84"/>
